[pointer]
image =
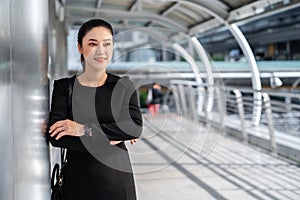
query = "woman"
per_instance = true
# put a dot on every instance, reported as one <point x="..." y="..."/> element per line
<point x="93" y="125"/>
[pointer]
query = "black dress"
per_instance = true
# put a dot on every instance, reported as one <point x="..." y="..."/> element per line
<point x="96" y="170"/>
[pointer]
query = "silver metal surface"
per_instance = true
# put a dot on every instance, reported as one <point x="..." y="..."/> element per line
<point x="256" y="82"/>
<point x="57" y="46"/>
<point x="6" y="137"/>
<point x="23" y="86"/>
<point x="240" y="107"/>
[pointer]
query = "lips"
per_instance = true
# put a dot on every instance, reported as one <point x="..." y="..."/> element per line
<point x="100" y="59"/>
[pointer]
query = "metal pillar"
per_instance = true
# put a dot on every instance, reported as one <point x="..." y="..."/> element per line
<point x="23" y="77"/>
<point x="57" y="45"/>
<point x="176" y="99"/>
<point x="240" y="107"/>
<point x="164" y="52"/>
<point x="192" y="103"/>
<point x="6" y="121"/>
<point x="182" y="97"/>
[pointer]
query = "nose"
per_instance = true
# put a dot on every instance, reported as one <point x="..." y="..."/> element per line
<point x="100" y="48"/>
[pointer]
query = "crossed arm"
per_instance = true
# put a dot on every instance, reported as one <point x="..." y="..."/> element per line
<point x="64" y="132"/>
<point x="68" y="127"/>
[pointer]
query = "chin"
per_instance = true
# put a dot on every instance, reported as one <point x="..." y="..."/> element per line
<point x="100" y="67"/>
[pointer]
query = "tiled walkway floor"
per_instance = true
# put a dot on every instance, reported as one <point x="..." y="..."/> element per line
<point x="177" y="159"/>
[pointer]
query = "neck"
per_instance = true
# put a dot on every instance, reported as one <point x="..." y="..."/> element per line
<point x="93" y="78"/>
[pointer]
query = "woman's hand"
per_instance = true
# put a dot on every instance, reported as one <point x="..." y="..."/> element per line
<point x="66" y="127"/>
<point x="114" y="142"/>
<point x="133" y="141"/>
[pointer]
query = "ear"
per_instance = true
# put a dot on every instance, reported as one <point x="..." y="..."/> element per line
<point x="79" y="49"/>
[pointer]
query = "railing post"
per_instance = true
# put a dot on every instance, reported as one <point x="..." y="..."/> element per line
<point x="191" y="95"/>
<point x="176" y="98"/>
<point x="181" y="94"/>
<point x="268" y="108"/>
<point x="220" y="95"/>
<point x="240" y="106"/>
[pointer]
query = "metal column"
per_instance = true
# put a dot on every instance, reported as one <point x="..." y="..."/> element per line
<point x="24" y="100"/>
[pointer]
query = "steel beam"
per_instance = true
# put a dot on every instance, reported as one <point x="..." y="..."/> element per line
<point x="137" y="16"/>
<point x="256" y="83"/>
<point x="210" y="80"/>
<point x="98" y="6"/>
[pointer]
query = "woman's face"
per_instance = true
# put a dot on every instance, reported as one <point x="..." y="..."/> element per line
<point x="97" y="48"/>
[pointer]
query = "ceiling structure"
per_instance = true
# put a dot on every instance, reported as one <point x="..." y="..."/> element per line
<point x="193" y="17"/>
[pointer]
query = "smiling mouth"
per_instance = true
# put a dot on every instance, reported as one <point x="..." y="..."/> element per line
<point x="100" y="59"/>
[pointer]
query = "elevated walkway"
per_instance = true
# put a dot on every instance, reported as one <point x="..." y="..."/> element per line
<point x="180" y="159"/>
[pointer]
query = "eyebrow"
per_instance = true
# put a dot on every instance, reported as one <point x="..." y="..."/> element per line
<point x="97" y="40"/>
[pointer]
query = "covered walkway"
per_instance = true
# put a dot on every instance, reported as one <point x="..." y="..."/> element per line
<point x="227" y="132"/>
<point x="185" y="167"/>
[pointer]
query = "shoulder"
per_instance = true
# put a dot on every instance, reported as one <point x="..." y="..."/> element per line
<point x="123" y="80"/>
<point x="112" y="78"/>
<point x="64" y="81"/>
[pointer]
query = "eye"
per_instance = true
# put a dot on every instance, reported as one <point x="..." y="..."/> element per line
<point x="107" y="44"/>
<point x="92" y="44"/>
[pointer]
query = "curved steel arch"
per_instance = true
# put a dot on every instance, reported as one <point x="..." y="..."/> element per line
<point x="243" y="43"/>
<point x="210" y="79"/>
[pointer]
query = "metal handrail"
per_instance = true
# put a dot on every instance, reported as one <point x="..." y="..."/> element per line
<point x="238" y="104"/>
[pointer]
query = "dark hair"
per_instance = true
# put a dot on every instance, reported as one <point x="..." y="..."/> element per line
<point x="89" y="25"/>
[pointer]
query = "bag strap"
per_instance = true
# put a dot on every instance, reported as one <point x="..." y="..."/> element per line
<point x="63" y="157"/>
<point x="54" y="176"/>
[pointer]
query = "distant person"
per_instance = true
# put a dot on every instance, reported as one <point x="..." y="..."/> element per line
<point x="154" y="98"/>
